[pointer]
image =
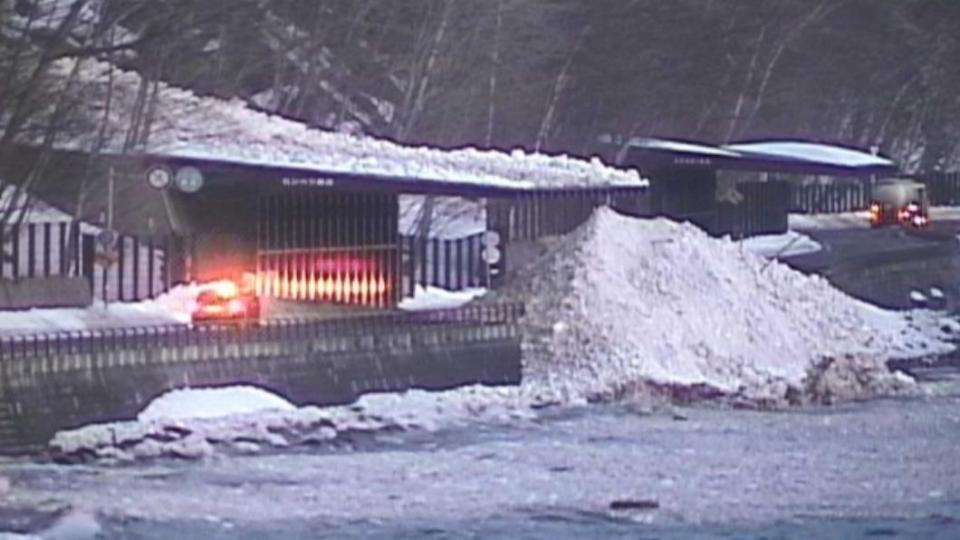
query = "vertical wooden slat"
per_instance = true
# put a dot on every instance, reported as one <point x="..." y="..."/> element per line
<point x="121" y="266"/>
<point x="471" y="261"/>
<point x="151" y="262"/>
<point x="47" y="249"/>
<point x="15" y="250"/>
<point x="64" y="246"/>
<point x="424" y="260"/>
<point x="435" y="262"/>
<point x="136" y="269"/>
<point x="447" y="265"/>
<point x="411" y="243"/>
<point x="31" y="249"/>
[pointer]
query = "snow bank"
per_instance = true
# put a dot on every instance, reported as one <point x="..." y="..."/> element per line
<point x="190" y="403"/>
<point x="171" y="307"/>
<point x="437" y="298"/>
<point x="627" y="305"/>
<point x="198" y="423"/>
<point x="774" y="246"/>
<point x="206" y="128"/>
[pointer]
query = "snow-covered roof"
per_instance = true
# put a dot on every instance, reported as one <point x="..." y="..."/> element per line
<point x="682" y="147"/>
<point x="189" y="126"/>
<point x="821" y="154"/>
<point x="790" y="156"/>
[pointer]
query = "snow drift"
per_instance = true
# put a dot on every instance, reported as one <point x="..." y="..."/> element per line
<point x="625" y="305"/>
<point x="198" y="423"/>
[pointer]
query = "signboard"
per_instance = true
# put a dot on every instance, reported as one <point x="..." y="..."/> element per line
<point x="189" y="179"/>
<point x="301" y="181"/>
<point x="159" y="177"/>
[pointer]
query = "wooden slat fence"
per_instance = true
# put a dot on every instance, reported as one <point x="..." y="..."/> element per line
<point x="943" y="188"/>
<point x="453" y="264"/>
<point x="140" y="269"/>
<point x="829" y="198"/>
<point x="535" y="214"/>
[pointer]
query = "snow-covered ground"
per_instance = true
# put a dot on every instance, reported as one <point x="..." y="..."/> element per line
<point x="197" y="423"/>
<point x="775" y="246"/>
<point x="172" y="307"/>
<point x="205" y="128"/>
<point x="883" y="468"/>
<point x="429" y="297"/>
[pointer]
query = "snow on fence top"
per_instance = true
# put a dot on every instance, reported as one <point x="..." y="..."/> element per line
<point x="186" y="125"/>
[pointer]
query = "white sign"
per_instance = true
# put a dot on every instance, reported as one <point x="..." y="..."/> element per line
<point x="491" y="255"/>
<point x="159" y="177"/>
<point x="189" y="179"/>
<point x="491" y="239"/>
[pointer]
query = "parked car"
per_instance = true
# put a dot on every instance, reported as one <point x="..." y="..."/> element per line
<point x="226" y="303"/>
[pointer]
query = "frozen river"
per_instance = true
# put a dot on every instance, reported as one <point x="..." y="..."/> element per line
<point x="885" y="468"/>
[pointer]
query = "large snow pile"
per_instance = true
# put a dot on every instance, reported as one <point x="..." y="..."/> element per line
<point x="190" y="126"/>
<point x="196" y="423"/>
<point x="627" y="305"/>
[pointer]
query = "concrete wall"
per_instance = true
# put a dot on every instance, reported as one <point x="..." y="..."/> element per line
<point x="41" y="395"/>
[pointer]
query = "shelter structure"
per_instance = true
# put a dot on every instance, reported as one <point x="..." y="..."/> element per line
<point x="684" y="178"/>
<point x="315" y="215"/>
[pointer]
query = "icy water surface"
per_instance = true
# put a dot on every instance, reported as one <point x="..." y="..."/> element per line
<point x="881" y="469"/>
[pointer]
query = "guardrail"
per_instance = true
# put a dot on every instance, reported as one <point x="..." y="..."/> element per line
<point x="183" y="336"/>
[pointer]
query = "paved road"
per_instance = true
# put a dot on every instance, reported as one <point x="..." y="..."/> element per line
<point x="872" y="246"/>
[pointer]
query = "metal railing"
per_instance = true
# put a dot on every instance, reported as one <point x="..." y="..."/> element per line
<point x="87" y="342"/>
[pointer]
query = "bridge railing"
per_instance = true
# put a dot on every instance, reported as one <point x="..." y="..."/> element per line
<point x="51" y="345"/>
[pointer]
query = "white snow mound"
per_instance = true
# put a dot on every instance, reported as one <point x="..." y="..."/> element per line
<point x="624" y="303"/>
<point x="189" y="403"/>
<point x="195" y="423"/>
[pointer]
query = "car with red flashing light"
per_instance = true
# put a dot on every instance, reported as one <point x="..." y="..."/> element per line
<point x="900" y="201"/>
<point x="225" y="303"/>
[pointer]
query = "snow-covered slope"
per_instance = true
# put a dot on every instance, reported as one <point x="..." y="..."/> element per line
<point x="627" y="304"/>
<point x="191" y="126"/>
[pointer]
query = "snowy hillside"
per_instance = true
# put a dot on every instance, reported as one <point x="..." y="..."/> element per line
<point x="190" y="126"/>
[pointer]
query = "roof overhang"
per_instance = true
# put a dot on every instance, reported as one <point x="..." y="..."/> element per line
<point x="782" y="156"/>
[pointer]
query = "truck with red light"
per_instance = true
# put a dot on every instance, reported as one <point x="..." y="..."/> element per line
<point x="900" y="201"/>
<point x="225" y="302"/>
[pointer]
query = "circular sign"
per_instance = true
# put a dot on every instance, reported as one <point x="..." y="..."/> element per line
<point x="159" y="177"/>
<point x="189" y="179"/>
<point x="106" y="237"/>
<point x="491" y="238"/>
<point x="491" y="255"/>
